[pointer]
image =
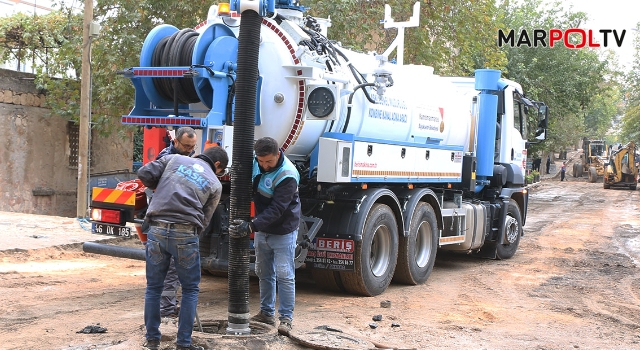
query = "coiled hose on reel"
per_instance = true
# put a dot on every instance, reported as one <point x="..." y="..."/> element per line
<point x="176" y="51"/>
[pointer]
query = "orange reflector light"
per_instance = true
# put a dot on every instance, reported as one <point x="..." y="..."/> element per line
<point x="105" y="215"/>
<point x="524" y="191"/>
<point x="410" y="186"/>
<point x="364" y="186"/>
<point x="448" y="185"/>
<point x="224" y="8"/>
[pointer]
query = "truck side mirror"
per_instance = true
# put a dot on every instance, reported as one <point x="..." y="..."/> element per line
<point x="543" y="122"/>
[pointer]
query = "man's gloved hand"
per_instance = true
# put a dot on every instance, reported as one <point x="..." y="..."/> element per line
<point x="240" y="228"/>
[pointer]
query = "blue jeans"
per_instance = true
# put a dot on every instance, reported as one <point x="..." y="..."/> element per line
<point x="169" y="301"/>
<point x="275" y="266"/>
<point x="162" y="244"/>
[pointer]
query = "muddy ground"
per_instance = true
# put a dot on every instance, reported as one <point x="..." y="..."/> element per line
<point x="573" y="284"/>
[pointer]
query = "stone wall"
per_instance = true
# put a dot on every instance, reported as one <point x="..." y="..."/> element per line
<point x="35" y="173"/>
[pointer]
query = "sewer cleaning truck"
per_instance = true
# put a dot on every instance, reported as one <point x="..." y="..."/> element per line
<point x="396" y="162"/>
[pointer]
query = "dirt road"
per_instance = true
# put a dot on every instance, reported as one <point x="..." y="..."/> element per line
<point x="573" y="284"/>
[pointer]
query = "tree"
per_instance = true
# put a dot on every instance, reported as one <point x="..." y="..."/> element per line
<point x="53" y="46"/>
<point x="45" y="41"/>
<point x="630" y="128"/>
<point x="455" y="37"/>
<point x="573" y="83"/>
<point x="53" y="42"/>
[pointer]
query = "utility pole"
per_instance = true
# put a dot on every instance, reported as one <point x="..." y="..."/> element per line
<point x="85" y="109"/>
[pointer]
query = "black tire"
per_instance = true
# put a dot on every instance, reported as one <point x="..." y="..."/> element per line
<point x="575" y="169"/>
<point x="327" y="280"/>
<point x="593" y="175"/>
<point x="376" y="255"/>
<point x="580" y="170"/>
<point x="512" y="231"/>
<point x="417" y="251"/>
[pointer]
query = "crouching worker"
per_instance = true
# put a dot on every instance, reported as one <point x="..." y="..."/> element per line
<point x="187" y="192"/>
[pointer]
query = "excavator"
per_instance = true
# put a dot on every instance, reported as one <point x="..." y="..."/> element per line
<point x="622" y="171"/>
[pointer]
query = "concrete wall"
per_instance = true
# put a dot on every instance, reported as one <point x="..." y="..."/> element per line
<point x="35" y="175"/>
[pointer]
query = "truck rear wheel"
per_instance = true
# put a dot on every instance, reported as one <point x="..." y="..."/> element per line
<point x="512" y="231"/>
<point x="593" y="175"/>
<point x="375" y="255"/>
<point x="417" y="251"/>
<point x="327" y="279"/>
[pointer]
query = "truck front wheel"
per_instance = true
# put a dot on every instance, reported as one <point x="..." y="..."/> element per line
<point x="417" y="251"/>
<point x="375" y="255"/>
<point x="512" y="230"/>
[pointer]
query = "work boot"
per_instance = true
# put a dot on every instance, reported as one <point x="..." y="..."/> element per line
<point x="285" y="326"/>
<point x="152" y="344"/>
<point x="263" y="318"/>
<point x="190" y="347"/>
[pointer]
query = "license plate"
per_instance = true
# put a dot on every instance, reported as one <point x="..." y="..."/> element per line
<point x="113" y="230"/>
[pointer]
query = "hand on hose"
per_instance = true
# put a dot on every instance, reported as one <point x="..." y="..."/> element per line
<point x="240" y="228"/>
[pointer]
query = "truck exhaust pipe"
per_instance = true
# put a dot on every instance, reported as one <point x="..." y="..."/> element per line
<point x="486" y="82"/>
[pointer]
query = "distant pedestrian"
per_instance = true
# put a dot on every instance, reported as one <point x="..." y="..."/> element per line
<point x="548" y="163"/>
<point x="536" y="164"/>
<point x="563" y="170"/>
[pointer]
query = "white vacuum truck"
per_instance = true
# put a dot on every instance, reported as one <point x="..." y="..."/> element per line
<point x="395" y="161"/>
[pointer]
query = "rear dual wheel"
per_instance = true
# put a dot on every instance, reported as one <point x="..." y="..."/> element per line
<point x="417" y="251"/>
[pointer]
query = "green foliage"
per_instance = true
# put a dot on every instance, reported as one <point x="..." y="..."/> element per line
<point x="529" y="178"/>
<point x="577" y="85"/>
<point x="54" y="43"/>
<point x="51" y="44"/>
<point x="45" y="41"/>
<point x="455" y="37"/>
<point x="630" y="128"/>
<point x="138" y="144"/>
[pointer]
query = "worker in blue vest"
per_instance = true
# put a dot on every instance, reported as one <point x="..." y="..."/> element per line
<point x="277" y="204"/>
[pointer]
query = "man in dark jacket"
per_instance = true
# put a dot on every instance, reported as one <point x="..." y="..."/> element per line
<point x="187" y="192"/>
<point x="275" y="195"/>
<point x="184" y="143"/>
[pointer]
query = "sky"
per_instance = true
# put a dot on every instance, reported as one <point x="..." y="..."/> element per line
<point x="611" y="14"/>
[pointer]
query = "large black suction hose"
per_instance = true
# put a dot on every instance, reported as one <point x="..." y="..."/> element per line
<point x="241" y="186"/>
